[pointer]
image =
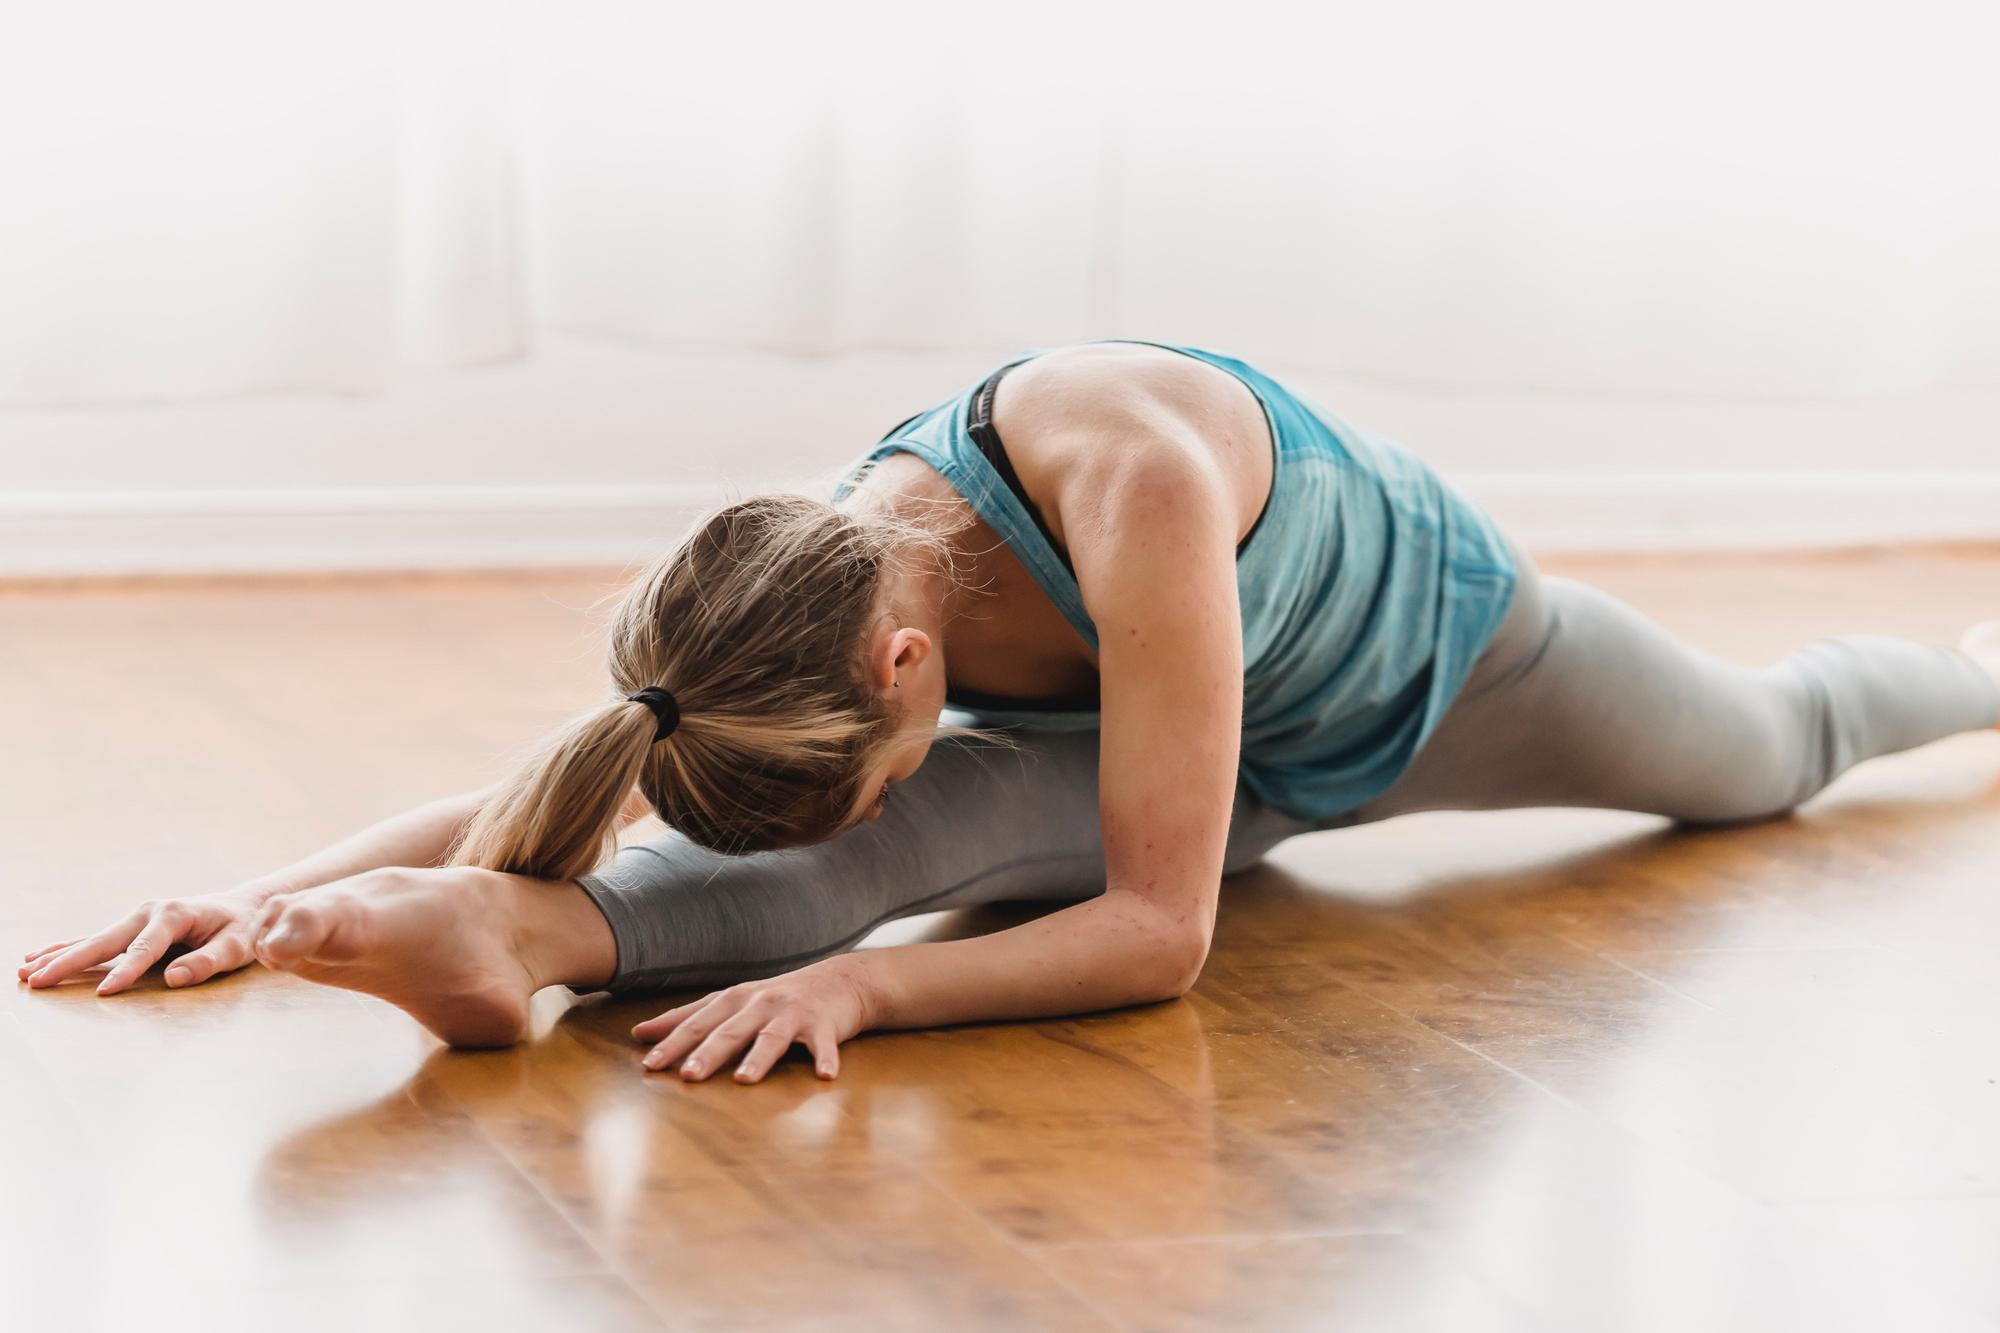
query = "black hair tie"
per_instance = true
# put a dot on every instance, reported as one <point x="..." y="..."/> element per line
<point x="665" y="708"/>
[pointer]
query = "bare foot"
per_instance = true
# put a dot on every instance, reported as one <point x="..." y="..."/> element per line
<point x="1982" y="644"/>
<point x="437" y="944"/>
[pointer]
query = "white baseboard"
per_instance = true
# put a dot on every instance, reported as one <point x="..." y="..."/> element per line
<point x="73" y="533"/>
<point x="1747" y="511"/>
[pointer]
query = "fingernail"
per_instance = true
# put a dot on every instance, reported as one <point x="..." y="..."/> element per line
<point x="652" y="1060"/>
<point x="176" y="976"/>
<point x="689" y="1069"/>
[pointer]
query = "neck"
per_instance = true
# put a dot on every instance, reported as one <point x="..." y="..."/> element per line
<point x="922" y="595"/>
<point x="928" y="599"/>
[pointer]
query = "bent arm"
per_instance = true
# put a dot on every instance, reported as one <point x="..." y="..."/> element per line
<point x="1115" y="950"/>
<point x="1153" y="543"/>
<point x="1155" y="555"/>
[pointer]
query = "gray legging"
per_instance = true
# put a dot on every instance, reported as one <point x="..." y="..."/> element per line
<point x="1578" y="701"/>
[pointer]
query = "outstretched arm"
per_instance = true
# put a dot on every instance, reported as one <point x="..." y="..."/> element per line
<point x="215" y="927"/>
<point x="1155" y="557"/>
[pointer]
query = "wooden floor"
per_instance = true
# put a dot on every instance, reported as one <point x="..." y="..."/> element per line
<point x="1546" y="1070"/>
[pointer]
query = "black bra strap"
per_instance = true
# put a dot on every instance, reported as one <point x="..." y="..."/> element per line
<point x="979" y="425"/>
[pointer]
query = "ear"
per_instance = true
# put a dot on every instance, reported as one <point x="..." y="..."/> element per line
<point x="894" y="651"/>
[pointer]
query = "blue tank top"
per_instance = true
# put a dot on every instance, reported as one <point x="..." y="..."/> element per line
<point x="1368" y="586"/>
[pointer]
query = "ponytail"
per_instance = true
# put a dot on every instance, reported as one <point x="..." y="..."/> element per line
<point x="556" y="817"/>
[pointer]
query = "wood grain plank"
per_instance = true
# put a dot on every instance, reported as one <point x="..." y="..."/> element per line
<point x="1537" y="1070"/>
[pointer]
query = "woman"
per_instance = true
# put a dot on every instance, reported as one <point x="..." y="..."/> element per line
<point x="1207" y="616"/>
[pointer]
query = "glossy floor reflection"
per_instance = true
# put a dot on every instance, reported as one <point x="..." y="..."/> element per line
<point x="1541" y="1070"/>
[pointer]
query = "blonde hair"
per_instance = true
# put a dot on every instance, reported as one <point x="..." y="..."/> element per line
<point x="757" y="625"/>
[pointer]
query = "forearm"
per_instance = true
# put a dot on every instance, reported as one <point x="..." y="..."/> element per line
<point x="1112" y="951"/>
<point x="418" y="837"/>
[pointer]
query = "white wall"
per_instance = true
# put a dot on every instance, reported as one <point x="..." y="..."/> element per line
<point x="594" y="450"/>
<point x="439" y="282"/>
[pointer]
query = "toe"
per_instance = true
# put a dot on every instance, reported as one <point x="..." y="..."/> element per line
<point x="290" y="935"/>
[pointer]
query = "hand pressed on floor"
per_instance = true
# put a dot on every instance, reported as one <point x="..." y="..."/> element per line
<point x="818" y="1006"/>
<point x="215" y="927"/>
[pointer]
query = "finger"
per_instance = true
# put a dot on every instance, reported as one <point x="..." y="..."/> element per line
<point x="690" y="1032"/>
<point x="769" y="1047"/>
<point x="40" y="956"/>
<point x="225" y="953"/>
<point x="720" y="1047"/>
<point x="144" y="951"/>
<point x="105" y="944"/>
<point x="47" y="949"/>
<point x="661" y="1024"/>
<point x="88" y="952"/>
<point x="825" y="1048"/>
<point x="693" y="1023"/>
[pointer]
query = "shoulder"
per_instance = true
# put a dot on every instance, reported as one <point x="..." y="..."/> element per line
<point x="1103" y="427"/>
<point x="1094" y="388"/>
<point x="1104" y="409"/>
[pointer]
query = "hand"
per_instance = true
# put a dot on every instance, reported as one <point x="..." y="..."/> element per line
<point x="819" y="1006"/>
<point x="216" y="926"/>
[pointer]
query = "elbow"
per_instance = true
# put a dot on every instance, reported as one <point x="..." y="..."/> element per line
<point x="1148" y="952"/>
<point x="1183" y="981"/>
<point x="1177" y="966"/>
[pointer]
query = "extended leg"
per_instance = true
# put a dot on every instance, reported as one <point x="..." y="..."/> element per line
<point x="1581" y="701"/>
<point x="462" y="950"/>
<point x="976" y="824"/>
